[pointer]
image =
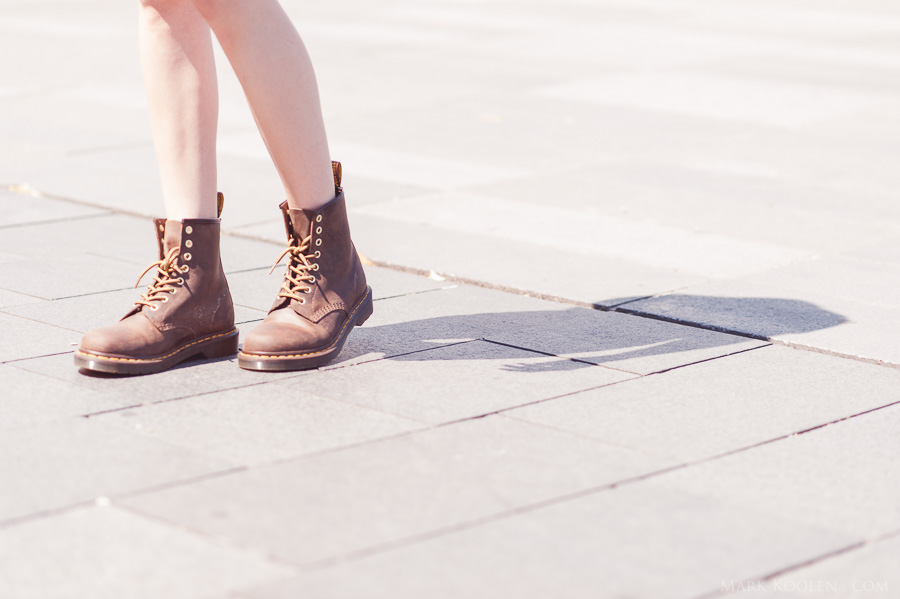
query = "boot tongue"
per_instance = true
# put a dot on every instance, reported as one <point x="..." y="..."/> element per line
<point x="173" y="235"/>
<point x="300" y="222"/>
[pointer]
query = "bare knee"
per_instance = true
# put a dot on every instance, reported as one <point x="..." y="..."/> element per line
<point x="213" y="10"/>
<point x="162" y="15"/>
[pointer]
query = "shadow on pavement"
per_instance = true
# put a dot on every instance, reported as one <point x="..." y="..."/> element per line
<point x="630" y="334"/>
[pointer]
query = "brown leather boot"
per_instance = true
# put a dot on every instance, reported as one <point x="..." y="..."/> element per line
<point x="324" y="294"/>
<point x="187" y="310"/>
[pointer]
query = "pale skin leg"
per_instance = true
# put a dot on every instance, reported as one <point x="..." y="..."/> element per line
<point x="182" y="95"/>
<point x="275" y="71"/>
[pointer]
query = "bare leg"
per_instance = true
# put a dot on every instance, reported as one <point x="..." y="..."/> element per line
<point x="276" y="73"/>
<point x="180" y="81"/>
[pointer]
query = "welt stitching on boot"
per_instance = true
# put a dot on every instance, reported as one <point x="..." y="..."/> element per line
<point x="186" y="311"/>
<point x="323" y="296"/>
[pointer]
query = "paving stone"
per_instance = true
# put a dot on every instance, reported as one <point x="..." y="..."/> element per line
<point x="86" y="312"/>
<point x="73" y="274"/>
<point x="458" y="381"/>
<point x="722" y="405"/>
<point x="836" y="304"/>
<point x="862" y="572"/>
<point x="524" y="266"/>
<point x="700" y="199"/>
<point x="642" y="540"/>
<point x="125" y="238"/>
<point x="54" y="465"/>
<point x="399" y="488"/>
<point x="29" y="397"/>
<point x="842" y="477"/>
<point x="107" y="552"/>
<point x="17" y="209"/>
<point x="185" y="380"/>
<point x="30" y="338"/>
<point x="639" y="345"/>
<point x="58" y="120"/>
<point x="732" y="98"/>
<point x="623" y="341"/>
<point x="591" y="234"/>
<point x="230" y="424"/>
<point x="9" y="299"/>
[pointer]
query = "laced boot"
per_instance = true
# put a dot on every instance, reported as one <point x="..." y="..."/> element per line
<point x="186" y="311"/>
<point x="324" y="294"/>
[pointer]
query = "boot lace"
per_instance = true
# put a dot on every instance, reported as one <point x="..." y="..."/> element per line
<point x="165" y="282"/>
<point x="298" y="277"/>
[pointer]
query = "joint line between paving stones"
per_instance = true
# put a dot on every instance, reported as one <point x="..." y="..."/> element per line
<point x="742" y="351"/>
<point x="62" y="353"/>
<point x="552" y="355"/>
<point x="809" y="562"/>
<point x="55" y="220"/>
<point x="20" y="520"/>
<point x="219" y="539"/>
<point x="461" y="526"/>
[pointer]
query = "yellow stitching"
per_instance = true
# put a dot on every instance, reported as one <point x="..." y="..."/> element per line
<point x="84" y="353"/>
<point x="321" y="351"/>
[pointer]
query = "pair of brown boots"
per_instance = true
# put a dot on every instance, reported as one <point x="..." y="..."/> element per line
<point x="187" y="310"/>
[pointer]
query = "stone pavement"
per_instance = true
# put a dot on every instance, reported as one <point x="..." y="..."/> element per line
<point x="661" y="357"/>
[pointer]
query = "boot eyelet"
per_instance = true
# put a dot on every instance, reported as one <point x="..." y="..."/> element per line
<point x="154" y="307"/>
<point x="180" y="282"/>
<point x="188" y="244"/>
<point x="187" y="257"/>
<point x="164" y="299"/>
<point x="315" y="267"/>
<point x="185" y="268"/>
<point x="307" y="289"/>
<point x="301" y="301"/>
<point x="162" y="227"/>
<point x="189" y="229"/>
<point x="319" y="218"/>
<point x="318" y="254"/>
<point x="318" y="230"/>
<point x="318" y="242"/>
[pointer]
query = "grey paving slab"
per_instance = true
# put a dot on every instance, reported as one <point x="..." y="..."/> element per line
<point x="72" y="274"/>
<point x="836" y="303"/>
<point x="120" y="237"/>
<point x="185" y="380"/>
<point x="700" y="199"/>
<point x="17" y="209"/>
<point x="623" y="341"/>
<point x="644" y="540"/>
<point x="593" y="233"/>
<point x="864" y="572"/>
<point x="127" y="239"/>
<point x="107" y="552"/>
<point x="395" y="489"/>
<point x="58" y="121"/>
<point x="454" y="382"/>
<point x="722" y="405"/>
<point x="519" y="265"/>
<point x="626" y="342"/>
<point x="54" y="465"/>
<point x="86" y="312"/>
<point x="11" y="298"/>
<point x="25" y="338"/>
<point x="230" y="424"/>
<point x="29" y="397"/>
<point x="842" y="477"/>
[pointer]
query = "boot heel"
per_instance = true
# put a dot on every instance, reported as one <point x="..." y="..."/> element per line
<point x="222" y="347"/>
<point x="365" y="309"/>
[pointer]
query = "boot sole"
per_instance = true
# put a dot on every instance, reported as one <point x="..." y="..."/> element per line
<point x="219" y="345"/>
<point x="284" y="361"/>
